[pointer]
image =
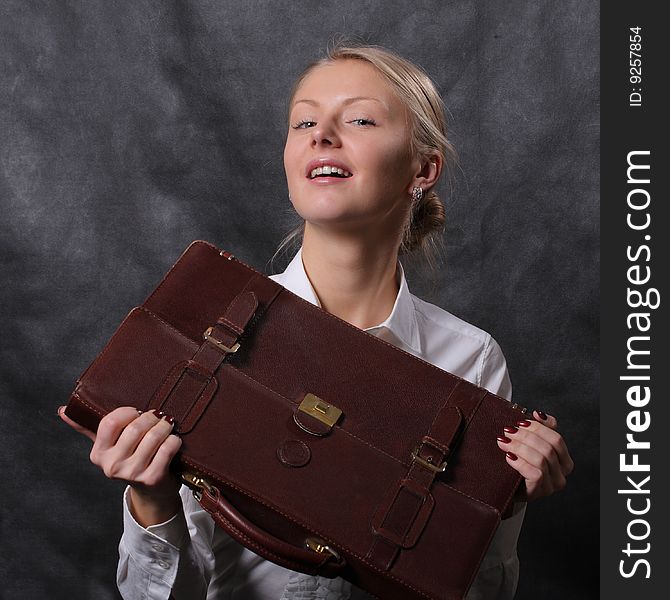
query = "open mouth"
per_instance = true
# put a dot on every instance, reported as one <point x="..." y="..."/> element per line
<point x="329" y="171"/>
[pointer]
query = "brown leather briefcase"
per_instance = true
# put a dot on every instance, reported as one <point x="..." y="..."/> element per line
<point x="311" y="442"/>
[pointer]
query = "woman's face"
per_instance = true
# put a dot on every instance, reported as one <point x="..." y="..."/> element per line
<point x="347" y="155"/>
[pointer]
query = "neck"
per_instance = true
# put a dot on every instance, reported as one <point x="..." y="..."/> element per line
<point x="354" y="277"/>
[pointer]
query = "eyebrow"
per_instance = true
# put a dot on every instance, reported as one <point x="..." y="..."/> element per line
<point x="345" y="102"/>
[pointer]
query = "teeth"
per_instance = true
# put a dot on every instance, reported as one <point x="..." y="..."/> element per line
<point x="329" y="170"/>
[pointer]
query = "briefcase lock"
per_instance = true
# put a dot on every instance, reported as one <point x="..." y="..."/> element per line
<point x="316" y="545"/>
<point x="320" y="409"/>
<point x="212" y="340"/>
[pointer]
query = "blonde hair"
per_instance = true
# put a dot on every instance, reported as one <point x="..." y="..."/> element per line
<point x="424" y="227"/>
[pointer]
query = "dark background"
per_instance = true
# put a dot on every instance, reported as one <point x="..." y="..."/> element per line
<point x="129" y="129"/>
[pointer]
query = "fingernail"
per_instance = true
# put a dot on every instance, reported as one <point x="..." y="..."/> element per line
<point x="60" y="410"/>
<point x="524" y="423"/>
<point x="541" y="415"/>
<point x="165" y="416"/>
<point x="511" y="455"/>
<point x="511" y="429"/>
<point x="503" y="439"/>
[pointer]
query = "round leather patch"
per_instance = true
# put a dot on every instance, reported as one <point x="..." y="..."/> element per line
<point x="294" y="453"/>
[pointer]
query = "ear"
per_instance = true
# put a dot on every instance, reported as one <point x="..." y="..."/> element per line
<point x="428" y="173"/>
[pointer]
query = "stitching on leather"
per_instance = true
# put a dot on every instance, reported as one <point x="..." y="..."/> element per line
<point x="293" y="404"/>
<point x="310" y="307"/>
<point x="262" y="550"/>
<point x="171" y="327"/>
<point x="173" y="375"/>
<point x="348" y="433"/>
<point x="98" y="360"/>
<point x="86" y="403"/>
<point x="439" y="445"/>
<point x="149" y="312"/>
<point x="446" y="404"/>
<point x="206" y="471"/>
<point x="167" y="275"/>
<point x="235" y="328"/>
<point x="336" y="318"/>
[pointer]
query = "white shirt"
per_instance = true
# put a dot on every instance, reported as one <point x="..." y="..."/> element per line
<point x="192" y="559"/>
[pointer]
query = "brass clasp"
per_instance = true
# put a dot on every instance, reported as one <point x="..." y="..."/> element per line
<point x="428" y="463"/>
<point x="320" y="409"/>
<point x="212" y="340"/>
<point x="196" y="483"/>
<point x="316" y="545"/>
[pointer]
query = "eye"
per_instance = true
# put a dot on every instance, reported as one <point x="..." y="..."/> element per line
<point x="363" y="122"/>
<point x="303" y="124"/>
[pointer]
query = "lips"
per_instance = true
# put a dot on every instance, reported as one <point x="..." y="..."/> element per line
<point x="326" y="167"/>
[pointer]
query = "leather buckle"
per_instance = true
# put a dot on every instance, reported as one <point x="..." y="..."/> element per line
<point x="207" y="336"/>
<point x="427" y="463"/>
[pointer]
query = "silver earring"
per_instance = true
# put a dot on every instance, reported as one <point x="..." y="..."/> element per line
<point x="417" y="194"/>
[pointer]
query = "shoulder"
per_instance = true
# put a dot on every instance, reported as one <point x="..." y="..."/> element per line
<point x="461" y="348"/>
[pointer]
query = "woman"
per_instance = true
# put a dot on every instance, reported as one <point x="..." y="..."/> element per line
<point x="365" y="146"/>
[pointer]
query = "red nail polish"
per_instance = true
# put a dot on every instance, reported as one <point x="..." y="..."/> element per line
<point x="511" y="455"/>
<point x="168" y="418"/>
<point x="524" y="423"/>
<point x="541" y="415"/>
<point x="503" y="439"/>
<point x="511" y="429"/>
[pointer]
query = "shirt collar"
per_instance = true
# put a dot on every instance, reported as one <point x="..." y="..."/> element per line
<point x="401" y="322"/>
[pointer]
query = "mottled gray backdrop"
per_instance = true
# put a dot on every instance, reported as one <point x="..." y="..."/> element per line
<point x="129" y="129"/>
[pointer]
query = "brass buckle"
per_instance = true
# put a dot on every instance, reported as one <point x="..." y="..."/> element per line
<point x="212" y="340"/>
<point x="316" y="545"/>
<point x="427" y="463"/>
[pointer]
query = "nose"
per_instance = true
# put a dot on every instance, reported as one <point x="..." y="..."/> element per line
<point x="324" y="133"/>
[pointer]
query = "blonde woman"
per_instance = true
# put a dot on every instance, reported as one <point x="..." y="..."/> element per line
<point x="366" y="145"/>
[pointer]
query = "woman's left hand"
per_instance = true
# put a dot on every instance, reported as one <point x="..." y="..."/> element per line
<point x="537" y="451"/>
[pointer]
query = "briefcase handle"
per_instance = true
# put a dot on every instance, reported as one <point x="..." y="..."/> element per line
<point x="316" y="558"/>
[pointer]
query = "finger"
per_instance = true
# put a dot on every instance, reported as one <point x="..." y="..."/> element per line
<point x="556" y="440"/>
<point x="533" y="480"/>
<point x="540" y="453"/>
<point x="161" y="460"/>
<point x="545" y="419"/>
<point x="552" y="437"/>
<point x="133" y="433"/>
<point x="151" y="442"/>
<point x="76" y="426"/>
<point x="112" y="425"/>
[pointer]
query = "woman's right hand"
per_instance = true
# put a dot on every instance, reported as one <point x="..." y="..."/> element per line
<point x="138" y="448"/>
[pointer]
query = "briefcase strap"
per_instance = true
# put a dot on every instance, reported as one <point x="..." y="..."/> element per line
<point x="190" y="385"/>
<point x="405" y="510"/>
